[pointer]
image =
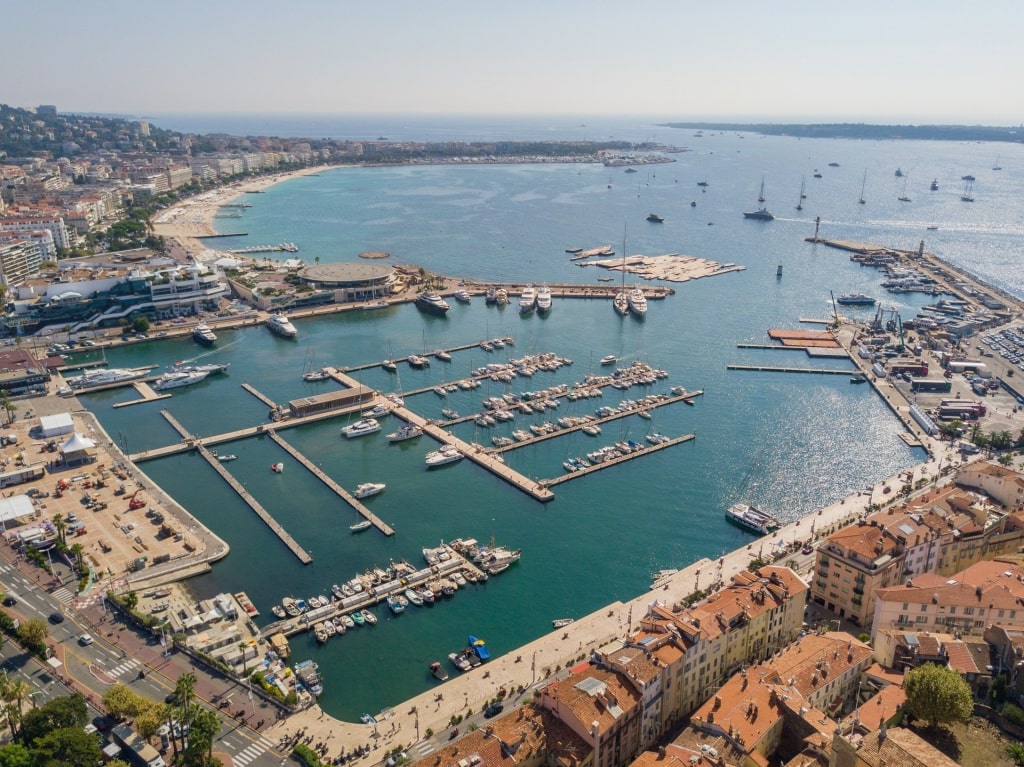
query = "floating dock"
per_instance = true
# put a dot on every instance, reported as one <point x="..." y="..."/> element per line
<point x="262" y="513"/>
<point x="617" y="460"/>
<point x="338" y="489"/>
<point x="260" y="396"/>
<point x="770" y="369"/>
<point x="147" y="392"/>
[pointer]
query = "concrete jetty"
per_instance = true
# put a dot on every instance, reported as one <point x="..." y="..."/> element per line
<point x="147" y="392"/>
<point x="341" y="492"/>
<point x="771" y="369"/>
<point x="617" y="460"/>
<point x="244" y="494"/>
<point x="259" y="395"/>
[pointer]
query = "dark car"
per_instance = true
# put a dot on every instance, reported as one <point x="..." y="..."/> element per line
<point x="10" y="600"/>
<point x="56" y="617"/>
<point x="102" y="723"/>
<point x="493" y="710"/>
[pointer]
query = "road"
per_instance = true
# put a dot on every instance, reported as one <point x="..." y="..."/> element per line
<point x="93" y="668"/>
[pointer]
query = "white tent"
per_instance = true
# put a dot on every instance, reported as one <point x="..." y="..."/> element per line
<point x="77" y="444"/>
<point x="15" y="507"/>
<point x="56" y="424"/>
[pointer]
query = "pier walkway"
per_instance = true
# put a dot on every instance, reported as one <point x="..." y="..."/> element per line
<point x="338" y="489"/>
<point x="685" y="397"/>
<point x="244" y="494"/>
<point x="147" y="392"/>
<point x="770" y="369"/>
<point x="396" y="360"/>
<point x="617" y="460"/>
<point x="260" y="395"/>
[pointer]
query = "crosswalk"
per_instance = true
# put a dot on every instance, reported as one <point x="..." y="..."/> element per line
<point x="422" y="750"/>
<point x="63" y="596"/>
<point x="130" y="664"/>
<point x="251" y="752"/>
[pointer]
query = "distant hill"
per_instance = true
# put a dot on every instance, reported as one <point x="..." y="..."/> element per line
<point x="865" y="131"/>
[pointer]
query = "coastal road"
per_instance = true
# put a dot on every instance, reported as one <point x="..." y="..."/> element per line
<point x="92" y="668"/>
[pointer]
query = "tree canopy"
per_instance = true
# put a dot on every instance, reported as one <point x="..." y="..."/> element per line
<point x="938" y="695"/>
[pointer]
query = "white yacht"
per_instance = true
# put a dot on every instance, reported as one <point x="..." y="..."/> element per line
<point x="544" y="300"/>
<point x="282" y="326"/>
<point x="361" y="428"/>
<point x="527" y="300"/>
<point x="367" y="489"/>
<point x="446" y="454"/>
<point x="178" y="379"/>
<point x="432" y="303"/>
<point x="637" y="302"/>
<point x="621" y="303"/>
<point x="204" y="335"/>
<point x="104" y="377"/>
<point x="463" y="296"/>
<point x="209" y="367"/>
<point x="408" y="431"/>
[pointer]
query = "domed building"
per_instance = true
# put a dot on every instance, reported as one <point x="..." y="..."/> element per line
<point x="351" y="282"/>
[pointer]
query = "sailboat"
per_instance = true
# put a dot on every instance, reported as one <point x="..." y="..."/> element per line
<point x="863" y="183"/>
<point x="996" y="165"/>
<point x="800" y="200"/>
<point x="903" y="197"/>
<point x="621" y="301"/>
<point x="967" y="196"/>
<point x="761" y="214"/>
<point x="311" y="374"/>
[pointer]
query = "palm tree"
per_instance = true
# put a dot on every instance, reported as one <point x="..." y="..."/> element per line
<point x="78" y="552"/>
<point x="61" y="527"/>
<point x="16" y="691"/>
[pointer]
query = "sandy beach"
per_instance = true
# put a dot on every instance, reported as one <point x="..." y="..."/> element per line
<point x="193" y="218"/>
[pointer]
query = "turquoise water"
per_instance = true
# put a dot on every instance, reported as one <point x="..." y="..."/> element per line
<point x="790" y="443"/>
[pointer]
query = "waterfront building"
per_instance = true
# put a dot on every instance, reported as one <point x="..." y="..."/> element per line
<point x="603" y="709"/>
<point x="986" y="593"/>
<point x="333" y="400"/>
<point x="700" y="645"/>
<point x="351" y="281"/>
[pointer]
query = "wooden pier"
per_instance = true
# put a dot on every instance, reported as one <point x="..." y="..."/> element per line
<point x="617" y="460"/>
<point x="259" y="395"/>
<point x="338" y="489"/>
<point x="770" y="369"/>
<point x="147" y="392"/>
<point x="244" y="494"/>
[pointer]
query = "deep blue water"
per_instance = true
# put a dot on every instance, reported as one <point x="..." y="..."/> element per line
<point x="790" y="443"/>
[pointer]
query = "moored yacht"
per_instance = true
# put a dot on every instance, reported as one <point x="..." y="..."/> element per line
<point x="751" y="518"/>
<point x="178" y="379"/>
<point x="527" y="300"/>
<point x="366" y="489"/>
<point x="621" y="303"/>
<point x="543" y="300"/>
<point x="463" y="296"/>
<point x="408" y="431"/>
<point x="444" y="455"/>
<point x="361" y="428"/>
<point x="637" y="302"/>
<point x="204" y="335"/>
<point x="282" y="326"/>
<point x="432" y="303"/>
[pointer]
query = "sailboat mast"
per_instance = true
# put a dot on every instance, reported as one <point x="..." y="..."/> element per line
<point x="862" y="185"/>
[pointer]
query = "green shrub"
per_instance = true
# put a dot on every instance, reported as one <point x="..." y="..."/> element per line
<point x="1013" y="714"/>
<point x="307" y="755"/>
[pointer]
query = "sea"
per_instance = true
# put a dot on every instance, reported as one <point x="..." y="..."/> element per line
<point x="788" y="442"/>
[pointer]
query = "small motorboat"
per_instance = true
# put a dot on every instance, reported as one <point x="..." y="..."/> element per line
<point x="368" y="618"/>
<point x="438" y="672"/>
<point x="610" y="359"/>
<point x="225" y="458"/>
<point x="366" y="489"/>
<point x="277" y="468"/>
<point x="358" y="527"/>
<point x="560" y="622"/>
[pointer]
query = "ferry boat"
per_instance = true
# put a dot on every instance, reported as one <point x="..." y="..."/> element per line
<point x="204" y="335"/>
<point x="637" y="302"/>
<point x="431" y="303"/>
<point x="361" y="428"/>
<point x="751" y="518"/>
<point x="280" y="325"/>
<point x="408" y="431"/>
<point x="855" y="299"/>
<point x="527" y="300"/>
<point x="366" y="489"/>
<point x="178" y="379"/>
<point x="543" y="300"/>
<point x="446" y="454"/>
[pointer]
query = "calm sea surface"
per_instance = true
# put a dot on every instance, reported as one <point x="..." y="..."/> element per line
<point x="790" y="443"/>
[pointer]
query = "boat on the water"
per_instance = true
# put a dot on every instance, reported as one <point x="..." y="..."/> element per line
<point x="527" y="300"/>
<point x="438" y="672"/>
<point x="460" y="661"/>
<point x="463" y="296"/>
<point x="204" y="335"/>
<point x="479" y="647"/>
<point x="228" y="457"/>
<point x="855" y="299"/>
<point x="654" y="218"/>
<point x="375" y="305"/>
<point x="543" y="301"/>
<point x="637" y="302"/>
<point x="368" y="618"/>
<point x="752" y="519"/>
<point x="408" y="431"/>
<point x="177" y="379"/>
<point x="277" y="468"/>
<point x="418" y="361"/>
<point x="430" y="302"/>
<point x="442" y="355"/>
<point x="560" y="622"/>
<point x="397" y="603"/>
<point x="361" y="428"/>
<point x="358" y="527"/>
<point x="609" y="359"/>
<point x="444" y="455"/>
<point x="282" y="326"/>
<point x="105" y="376"/>
<point x="761" y="214"/>
<point x="366" y="489"/>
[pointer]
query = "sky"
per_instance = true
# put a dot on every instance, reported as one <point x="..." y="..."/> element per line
<point x="909" y="61"/>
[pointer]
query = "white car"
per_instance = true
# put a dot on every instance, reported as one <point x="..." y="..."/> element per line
<point x="85" y="639"/>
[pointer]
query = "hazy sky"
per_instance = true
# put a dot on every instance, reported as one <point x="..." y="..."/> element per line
<point x="871" y="60"/>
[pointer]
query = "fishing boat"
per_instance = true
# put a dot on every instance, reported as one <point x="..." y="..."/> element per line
<point x="752" y="519"/>
<point x="430" y="302"/>
<point x="291" y="608"/>
<point x="366" y="489"/>
<point x="368" y="618"/>
<point x="408" y="431"/>
<point x="438" y="672"/>
<point x="413" y="597"/>
<point x="280" y="325"/>
<point x="358" y="527"/>
<point x="560" y="622"/>
<point x="397" y="603"/>
<point x="204" y="335"/>
<point x="357" y="618"/>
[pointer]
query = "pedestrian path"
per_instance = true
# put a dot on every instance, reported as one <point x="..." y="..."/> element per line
<point x="129" y="665"/>
<point x="422" y="750"/>
<point x="254" y="751"/>
<point x="63" y="596"/>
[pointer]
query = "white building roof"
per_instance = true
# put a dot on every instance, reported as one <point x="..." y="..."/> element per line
<point x="15" y="507"/>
